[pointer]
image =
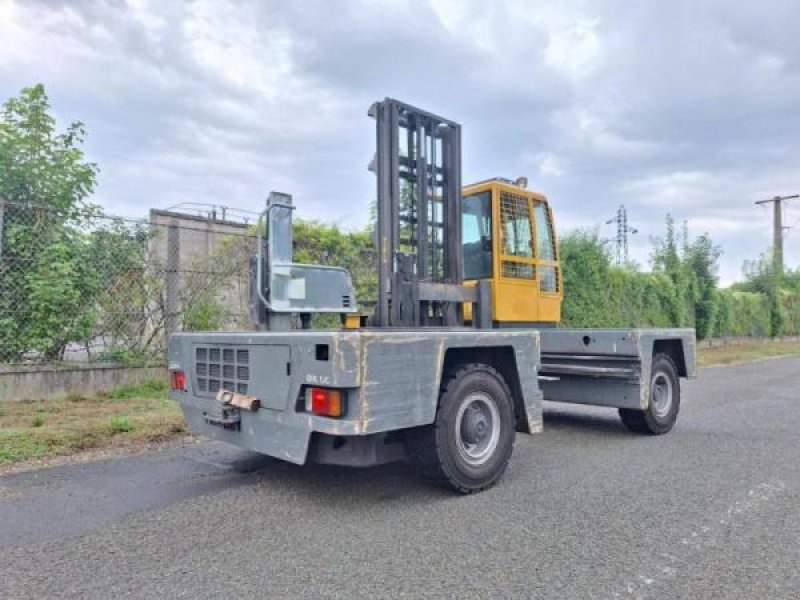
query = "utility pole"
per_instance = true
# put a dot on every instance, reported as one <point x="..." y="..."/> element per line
<point x="777" y="229"/>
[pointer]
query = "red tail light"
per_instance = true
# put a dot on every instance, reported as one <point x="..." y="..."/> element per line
<point x="177" y="380"/>
<point x="322" y="401"/>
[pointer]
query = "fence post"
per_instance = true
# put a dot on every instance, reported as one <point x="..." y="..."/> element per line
<point x="2" y="217"/>
<point x="173" y="279"/>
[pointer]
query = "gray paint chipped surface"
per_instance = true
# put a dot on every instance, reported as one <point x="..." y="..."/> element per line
<point x="391" y="378"/>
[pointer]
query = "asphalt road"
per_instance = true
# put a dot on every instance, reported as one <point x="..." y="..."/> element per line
<point x="587" y="510"/>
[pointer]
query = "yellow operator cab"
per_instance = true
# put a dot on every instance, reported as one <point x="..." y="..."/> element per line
<point x="508" y="238"/>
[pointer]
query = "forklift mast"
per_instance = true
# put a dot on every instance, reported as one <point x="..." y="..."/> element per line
<point x="420" y="263"/>
<point x="512" y="275"/>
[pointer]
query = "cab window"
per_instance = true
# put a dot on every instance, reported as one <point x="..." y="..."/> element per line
<point x="516" y="225"/>
<point x="545" y="249"/>
<point x="517" y="237"/>
<point x="476" y="235"/>
<point x="544" y="236"/>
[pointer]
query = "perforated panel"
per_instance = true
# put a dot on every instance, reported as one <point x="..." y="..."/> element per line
<point x="515" y="221"/>
<point x="548" y="279"/>
<point x="222" y="368"/>
<point x="518" y="270"/>
<point x="516" y="236"/>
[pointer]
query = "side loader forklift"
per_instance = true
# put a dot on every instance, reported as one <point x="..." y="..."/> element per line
<point x="463" y="346"/>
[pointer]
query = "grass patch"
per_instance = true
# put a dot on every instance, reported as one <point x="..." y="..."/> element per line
<point x="75" y="397"/>
<point x="126" y="416"/>
<point x="119" y="424"/>
<point x="724" y="355"/>
<point x="154" y="388"/>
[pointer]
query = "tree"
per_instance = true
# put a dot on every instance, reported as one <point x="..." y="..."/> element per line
<point x="702" y="260"/>
<point x="667" y="259"/>
<point x="586" y="267"/>
<point x="46" y="272"/>
<point x="758" y="274"/>
<point x="355" y="251"/>
<point x="665" y="256"/>
<point x="779" y="287"/>
<point x="39" y="166"/>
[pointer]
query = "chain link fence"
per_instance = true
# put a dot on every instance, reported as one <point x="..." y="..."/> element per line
<point x="82" y="285"/>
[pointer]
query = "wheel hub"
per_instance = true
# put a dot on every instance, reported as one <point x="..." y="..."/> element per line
<point x="477" y="428"/>
<point x="661" y="394"/>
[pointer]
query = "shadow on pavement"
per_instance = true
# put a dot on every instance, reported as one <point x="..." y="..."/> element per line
<point x="606" y="423"/>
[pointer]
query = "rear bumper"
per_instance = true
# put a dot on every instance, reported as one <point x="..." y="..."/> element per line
<point x="294" y="437"/>
<point x="282" y="434"/>
<point x="279" y="434"/>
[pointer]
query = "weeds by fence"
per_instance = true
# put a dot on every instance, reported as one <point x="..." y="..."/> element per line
<point x="85" y="285"/>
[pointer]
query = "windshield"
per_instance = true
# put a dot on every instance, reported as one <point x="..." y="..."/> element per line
<point x="476" y="232"/>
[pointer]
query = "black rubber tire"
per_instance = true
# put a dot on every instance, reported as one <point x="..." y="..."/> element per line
<point x="648" y="421"/>
<point x="434" y="449"/>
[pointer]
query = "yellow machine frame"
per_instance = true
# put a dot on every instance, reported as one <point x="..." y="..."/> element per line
<point x="526" y="286"/>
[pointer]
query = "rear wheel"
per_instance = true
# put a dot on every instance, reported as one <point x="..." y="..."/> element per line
<point x="469" y="445"/>
<point x="664" y="403"/>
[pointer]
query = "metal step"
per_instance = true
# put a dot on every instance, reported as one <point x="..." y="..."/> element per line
<point x="551" y="368"/>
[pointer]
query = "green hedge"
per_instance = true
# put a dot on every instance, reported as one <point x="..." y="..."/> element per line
<point x="600" y="294"/>
<point x="681" y="291"/>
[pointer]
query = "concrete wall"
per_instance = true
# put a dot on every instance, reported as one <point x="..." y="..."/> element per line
<point x="18" y="382"/>
<point x="211" y="253"/>
<point x="198" y="235"/>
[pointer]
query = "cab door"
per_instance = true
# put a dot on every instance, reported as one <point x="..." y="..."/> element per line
<point x="516" y="288"/>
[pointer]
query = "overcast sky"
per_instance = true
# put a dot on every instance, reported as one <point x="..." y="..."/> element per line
<point x="691" y="108"/>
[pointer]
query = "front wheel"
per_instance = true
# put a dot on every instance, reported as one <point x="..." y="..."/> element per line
<point x="664" y="402"/>
<point x="469" y="445"/>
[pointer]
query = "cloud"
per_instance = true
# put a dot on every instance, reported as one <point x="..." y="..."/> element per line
<point x="688" y="109"/>
<point x="545" y="164"/>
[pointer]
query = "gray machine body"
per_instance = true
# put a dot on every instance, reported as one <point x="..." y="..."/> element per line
<point x="390" y="380"/>
<point x="281" y="287"/>
<point x="610" y="367"/>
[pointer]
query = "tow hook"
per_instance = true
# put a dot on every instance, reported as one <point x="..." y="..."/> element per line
<point x="230" y="403"/>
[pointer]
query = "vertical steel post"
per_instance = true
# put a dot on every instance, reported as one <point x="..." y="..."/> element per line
<point x="173" y="280"/>
<point x="453" y="269"/>
<point x="422" y="202"/>
<point x="437" y="216"/>
<point x="452" y="186"/>
<point x="382" y="226"/>
<point x="280" y="251"/>
<point x="2" y="221"/>
<point x="386" y="117"/>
